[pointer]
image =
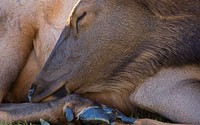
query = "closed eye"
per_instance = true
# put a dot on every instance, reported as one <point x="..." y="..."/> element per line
<point x="79" y="19"/>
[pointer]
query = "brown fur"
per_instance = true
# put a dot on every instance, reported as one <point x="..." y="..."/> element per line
<point x="121" y="53"/>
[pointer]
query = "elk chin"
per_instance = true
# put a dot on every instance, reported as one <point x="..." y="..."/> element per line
<point x="39" y="93"/>
<point x="56" y="95"/>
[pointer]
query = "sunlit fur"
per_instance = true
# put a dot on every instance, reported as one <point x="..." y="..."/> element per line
<point x="29" y="30"/>
<point x="121" y="48"/>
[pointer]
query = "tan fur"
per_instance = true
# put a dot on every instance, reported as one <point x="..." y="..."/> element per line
<point x="114" y="74"/>
<point x="29" y="31"/>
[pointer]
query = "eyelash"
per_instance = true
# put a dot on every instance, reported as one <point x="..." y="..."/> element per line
<point x="78" y="19"/>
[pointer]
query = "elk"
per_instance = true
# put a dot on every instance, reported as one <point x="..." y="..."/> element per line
<point x="123" y="54"/>
<point x="127" y="54"/>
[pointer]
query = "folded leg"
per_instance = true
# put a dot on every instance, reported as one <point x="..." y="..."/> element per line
<point x="51" y="111"/>
<point x="173" y="93"/>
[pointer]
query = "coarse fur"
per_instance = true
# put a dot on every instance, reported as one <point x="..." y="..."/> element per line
<point x="128" y="54"/>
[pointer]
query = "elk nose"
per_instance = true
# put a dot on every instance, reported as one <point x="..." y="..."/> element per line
<point x="31" y="92"/>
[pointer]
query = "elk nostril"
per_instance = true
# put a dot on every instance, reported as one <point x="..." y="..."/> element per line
<point x="31" y="92"/>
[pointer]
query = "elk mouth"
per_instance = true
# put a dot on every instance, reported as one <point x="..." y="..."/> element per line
<point x="60" y="93"/>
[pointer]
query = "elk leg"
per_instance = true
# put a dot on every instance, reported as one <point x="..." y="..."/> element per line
<point x="148" y="122"/>
<point x="177" y="99"/>
<point x="31" y="112"/>
<point x="50" y="111"/>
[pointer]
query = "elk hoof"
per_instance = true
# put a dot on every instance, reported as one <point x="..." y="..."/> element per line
<point x="69" y="114"/>
<point x="94" y="116"/>
<point x="78" y="109"/>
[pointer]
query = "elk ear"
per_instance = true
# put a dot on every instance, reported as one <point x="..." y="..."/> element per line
<point x="172" y="8"/>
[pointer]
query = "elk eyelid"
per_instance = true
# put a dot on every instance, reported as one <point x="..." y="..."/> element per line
<point x="78" y="19"/>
